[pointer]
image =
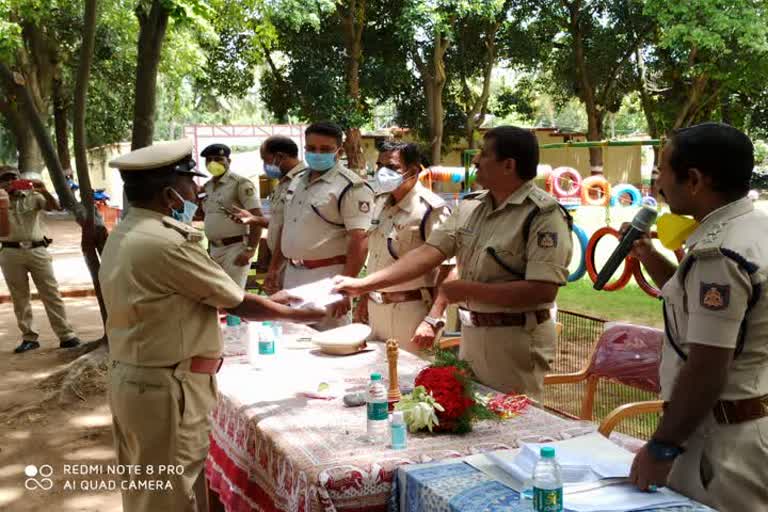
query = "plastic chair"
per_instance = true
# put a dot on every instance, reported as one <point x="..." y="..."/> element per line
<point x="627" y="354"/>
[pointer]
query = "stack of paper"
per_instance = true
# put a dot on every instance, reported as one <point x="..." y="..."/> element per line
<point x="623" y="497"/>
<point x="318" y="294"/>
<point x="594" y="473"/>
<point x="582" y="459"/>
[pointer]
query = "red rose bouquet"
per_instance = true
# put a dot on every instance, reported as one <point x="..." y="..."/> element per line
<point x="444" y="398"/>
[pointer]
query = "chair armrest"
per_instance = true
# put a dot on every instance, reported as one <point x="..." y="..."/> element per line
<point x="626" y="411"/>
<point x="565" y="378"/>
<point x="446" y="343"/>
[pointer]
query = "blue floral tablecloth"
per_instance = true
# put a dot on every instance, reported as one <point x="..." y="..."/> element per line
<point x="459" y="487"/>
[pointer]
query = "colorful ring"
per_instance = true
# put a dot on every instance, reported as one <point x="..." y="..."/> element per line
<point x="622" y="281"/>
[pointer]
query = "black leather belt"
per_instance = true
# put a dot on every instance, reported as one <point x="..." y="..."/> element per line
<point x="25" y="244"/>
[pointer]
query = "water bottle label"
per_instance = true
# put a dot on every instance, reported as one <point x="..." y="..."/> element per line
<point x="547" y="500"/>
<point x="266" y="347"/>
<point x="377" y="411"/>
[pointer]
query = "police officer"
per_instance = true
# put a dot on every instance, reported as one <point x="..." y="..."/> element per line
<point x="512" y="245"/>
<point x="232" y="244"/>
<point x="405" y="214"/>
<point x="328" y="212"/>
<point x="281" y="161"/>
<point x="712" y="441"/>
<point x="162" y="291"/>
<point x="23" y="251"/>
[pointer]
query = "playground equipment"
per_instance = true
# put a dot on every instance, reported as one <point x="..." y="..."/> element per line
<point x="633" y="192"/>
<point x="595" y="191"/>
<point x="569" y="177"/>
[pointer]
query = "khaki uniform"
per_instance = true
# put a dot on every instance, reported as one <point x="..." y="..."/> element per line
<point x="231" y="189"/>
<point x="396" y="230"/>
<point x="162" y="291"/>
<point x="724" y="466"/>
<point x="277" y="211"/>
<point x="24" y="216"/>
<point x="316" y="220"/>
<point x="490" y="247"/>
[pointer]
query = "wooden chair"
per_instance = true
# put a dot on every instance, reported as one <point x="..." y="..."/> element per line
<point x="624" y="353"/>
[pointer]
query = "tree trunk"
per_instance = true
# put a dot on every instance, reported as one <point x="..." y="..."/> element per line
<point x="476" y="114"/>
<point x="61" y="123"/>
<point x="354" y="23"/>
<point x="587" y="91"/>
<point x="15" y="84"/>
<point x="438" y="85"/>
<point x="152" y="28"/>
<point x="93" y="235"/>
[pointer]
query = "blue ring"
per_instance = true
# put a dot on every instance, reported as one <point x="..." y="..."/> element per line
<point x="583" y="242"/>
<point x="626" y="189"/>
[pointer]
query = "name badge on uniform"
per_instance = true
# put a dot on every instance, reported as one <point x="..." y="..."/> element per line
<point x="375" y="222"/>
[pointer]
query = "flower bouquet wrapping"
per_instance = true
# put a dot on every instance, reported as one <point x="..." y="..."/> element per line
<point x="444" y="399"/>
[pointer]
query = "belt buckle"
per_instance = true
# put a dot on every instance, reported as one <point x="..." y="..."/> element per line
<point x="298" y="263"/>
<point x="465" y="317"/>
<point x="25" y="245"/>
<point x="377" y="297"/>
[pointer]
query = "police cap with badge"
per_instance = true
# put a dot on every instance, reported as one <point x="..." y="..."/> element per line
<point x="216" y="150"/>
<point x="154" y="164"/>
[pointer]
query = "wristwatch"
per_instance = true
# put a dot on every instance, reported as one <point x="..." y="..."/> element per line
<point x="436" y="323"/>
<point x="662" y="451"/>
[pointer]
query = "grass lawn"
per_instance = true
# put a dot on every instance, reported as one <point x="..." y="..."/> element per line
<point x="630" y="304"/>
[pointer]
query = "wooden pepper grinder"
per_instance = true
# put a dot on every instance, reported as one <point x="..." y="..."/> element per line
<point x="393" y="395"/>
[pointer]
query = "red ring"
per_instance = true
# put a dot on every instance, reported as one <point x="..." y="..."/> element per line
<point x="640" y="279"/>
<point x="622" y="281"/>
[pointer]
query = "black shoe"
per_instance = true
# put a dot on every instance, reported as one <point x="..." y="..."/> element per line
<point x="70" y="343"/>
<point x="26" y="345"/>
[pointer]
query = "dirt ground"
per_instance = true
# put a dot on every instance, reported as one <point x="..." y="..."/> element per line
<point x="38" y="430"/>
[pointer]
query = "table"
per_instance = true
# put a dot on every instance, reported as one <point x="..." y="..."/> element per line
<point x="273" y="448"/>
<point x="459" y="487"/>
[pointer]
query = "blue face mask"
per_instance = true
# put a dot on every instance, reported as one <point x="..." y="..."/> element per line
<point x="320" y="162"/>
<point x="272" y="171"/>
<point x="187" y="213"/>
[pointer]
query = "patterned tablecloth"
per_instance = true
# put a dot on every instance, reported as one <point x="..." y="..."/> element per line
<point x="272" y="447"/>
<point x="459" y="487"/>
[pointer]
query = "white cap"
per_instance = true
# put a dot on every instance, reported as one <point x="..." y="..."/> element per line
<point x="398" y="418"/>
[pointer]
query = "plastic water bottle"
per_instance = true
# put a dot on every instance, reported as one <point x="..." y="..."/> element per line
<point x="547" y="482"/>
<point x="376" y="399"/>
<point x="398" y="432"/>
<point x="266" y="339"/>
<point x="232" y="333"/>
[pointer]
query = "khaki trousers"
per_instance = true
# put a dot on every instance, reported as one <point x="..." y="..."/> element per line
<point x="160" y="418"/>
<point x="16" y="265"/>
<point x="725" y="466"/>
<point x="297" y="276"/>
<point x="511" y="359"/>
<point x="397" y="321"/>
<point x="226" y="256"/>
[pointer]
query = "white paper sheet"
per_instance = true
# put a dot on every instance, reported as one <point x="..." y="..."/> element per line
<point x="620" y="498"/>
<point x="318" y="294"/>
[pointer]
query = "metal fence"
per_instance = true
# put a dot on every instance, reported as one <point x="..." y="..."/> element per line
<point x="577" y="338"/>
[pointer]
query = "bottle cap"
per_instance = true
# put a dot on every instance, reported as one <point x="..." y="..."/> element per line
<point x="547" y="452"/>
<point x="397" y="418"/>
<point x="233" y="320"/>
<point x="375" y="376"/>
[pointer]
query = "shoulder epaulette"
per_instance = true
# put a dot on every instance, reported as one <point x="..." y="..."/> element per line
<point x="190" y="233"/>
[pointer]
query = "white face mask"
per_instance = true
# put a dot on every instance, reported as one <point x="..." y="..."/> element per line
<point x="388" y="180"/>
